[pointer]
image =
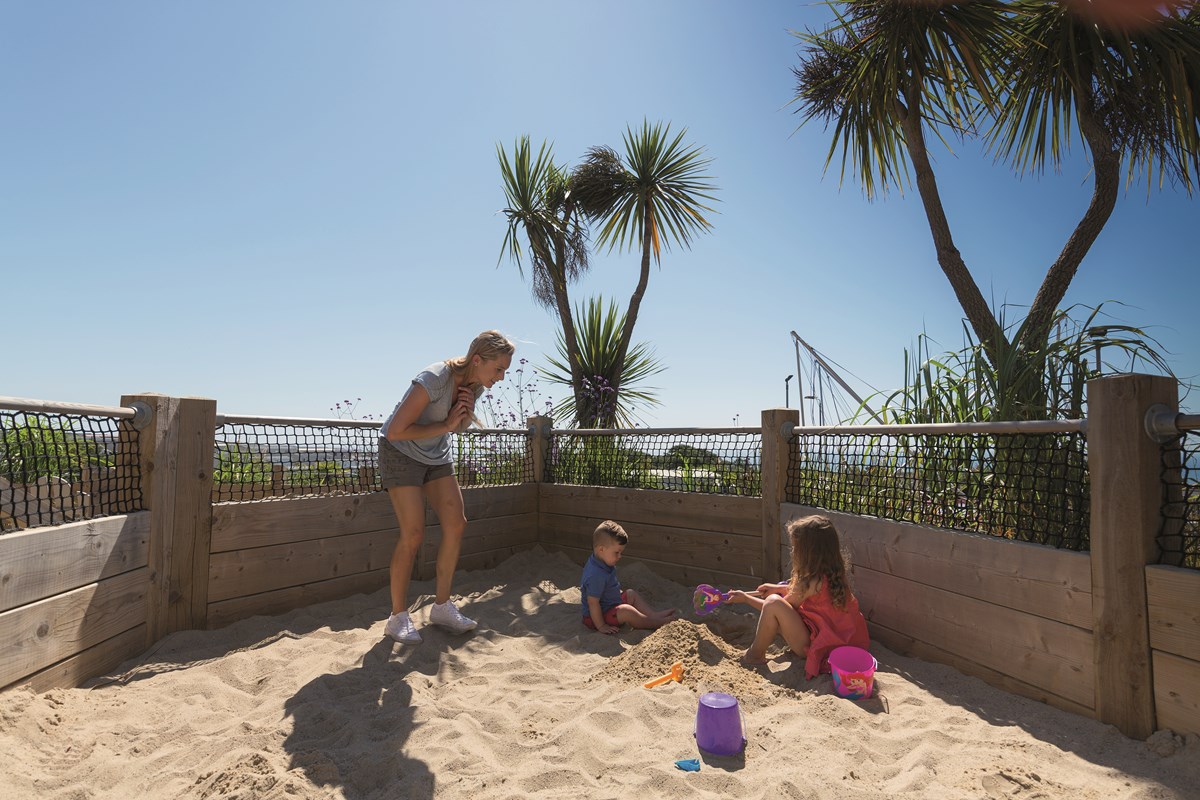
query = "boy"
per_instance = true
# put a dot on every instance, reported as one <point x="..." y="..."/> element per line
<point x="605" y="605"/>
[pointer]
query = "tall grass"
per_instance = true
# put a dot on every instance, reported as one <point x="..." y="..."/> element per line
<point x="1033" y="488"/>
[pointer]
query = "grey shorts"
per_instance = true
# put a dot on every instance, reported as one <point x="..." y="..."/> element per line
<point x="397" y="469"/>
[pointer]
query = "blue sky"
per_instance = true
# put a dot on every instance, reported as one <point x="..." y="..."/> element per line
<point x="281" y="205"/>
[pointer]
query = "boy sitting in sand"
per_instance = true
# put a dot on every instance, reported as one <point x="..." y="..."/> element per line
<point x="605" y="605"/>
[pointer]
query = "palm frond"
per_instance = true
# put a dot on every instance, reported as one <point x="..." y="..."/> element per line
<point x="883" y="60"/>
<point x="1142" y="83"/>
<point x="537" y="195"/>
<point x="598" y="334"/>
<point x="661" y="185"/>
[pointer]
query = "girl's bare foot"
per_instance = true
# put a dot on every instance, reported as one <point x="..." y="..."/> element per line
<point x="750" y="659"/>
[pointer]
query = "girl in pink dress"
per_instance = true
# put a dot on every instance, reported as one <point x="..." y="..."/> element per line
<point x="814" y="611"/>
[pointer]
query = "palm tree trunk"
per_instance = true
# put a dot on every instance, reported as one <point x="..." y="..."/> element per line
<point x="1106" y="164"/>
<point x="635" y="302"/>
<point x="979" y="315"/>
<point x="563" y="304"/>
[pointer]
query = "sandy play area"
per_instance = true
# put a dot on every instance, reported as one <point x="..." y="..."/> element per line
<point x="318" y="704"/>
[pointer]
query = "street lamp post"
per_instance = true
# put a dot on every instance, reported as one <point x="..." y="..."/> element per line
<point x="786" y="381"/>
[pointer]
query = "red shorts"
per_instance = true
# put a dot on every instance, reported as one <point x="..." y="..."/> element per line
<point x="610" y="616"/>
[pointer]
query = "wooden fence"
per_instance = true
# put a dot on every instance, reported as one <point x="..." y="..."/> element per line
<point x="1105" y="634"/>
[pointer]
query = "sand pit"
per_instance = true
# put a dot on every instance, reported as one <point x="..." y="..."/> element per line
<point x="317" y="704"/>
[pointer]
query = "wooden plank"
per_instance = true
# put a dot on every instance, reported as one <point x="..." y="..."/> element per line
<point x="907" y="645"/>
<point x="176" y="458"/>
<point x="515" y="533"/>
<point x="497" y="501"/>
<point x="490" y="559"/>
<point x="1177" y="693"/>
<point x="685" y="547"/>
<point x="1051" y="655"/>
<point x="681" y="574"/>
<point x="240" y="526"/>
<point x="1051" y="583"/>
<point x="280" y="601"/>
<point x="48" y="561"/>
<point x="1173" y="605"/>
<point x="777" y="424"/>
<point x="240" y="573"/>
<point x="98" y="660"/>
<point x="193" y="514"/>
<point x="519" y="531"/>
<point x="1124" y="465"/>
<point x="37" y="635"/>
<point x="741" y="515"/>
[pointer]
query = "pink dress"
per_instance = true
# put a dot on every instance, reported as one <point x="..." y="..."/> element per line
<point x="829" y="627"/>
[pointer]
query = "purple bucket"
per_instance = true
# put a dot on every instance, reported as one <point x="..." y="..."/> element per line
<point x="719" y="725"/>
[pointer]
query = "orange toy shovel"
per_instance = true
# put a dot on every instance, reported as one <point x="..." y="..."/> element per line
<point x="676" y="674"/>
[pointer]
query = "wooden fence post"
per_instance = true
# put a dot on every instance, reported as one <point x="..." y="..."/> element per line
<point x="538" y="447"/>
<point x="776" y="447"/>
<point x="1124" y="465"/>
<point x="176" y="457"/>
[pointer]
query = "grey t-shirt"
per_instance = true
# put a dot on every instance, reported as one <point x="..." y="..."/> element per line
<point x="438" y="380"/>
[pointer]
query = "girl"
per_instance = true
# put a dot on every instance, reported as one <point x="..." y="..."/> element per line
<point x="415" y="465"/>
<point x="815" y="611"/>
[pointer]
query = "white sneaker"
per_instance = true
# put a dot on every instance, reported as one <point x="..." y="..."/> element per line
<point x="448" y="616"/>
<point x="400" y="627"/>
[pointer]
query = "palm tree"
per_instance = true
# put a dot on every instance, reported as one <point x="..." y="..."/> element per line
<point x="598" y="405"/>
<point x="652" y="198"/>
<point x="889" y="71"/>
<point x="540" y="205"/>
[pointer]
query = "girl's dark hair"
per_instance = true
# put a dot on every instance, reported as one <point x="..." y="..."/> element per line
<point x="816" y="555"/>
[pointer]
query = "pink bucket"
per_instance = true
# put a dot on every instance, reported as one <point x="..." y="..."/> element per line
<point x="853" y="672"/>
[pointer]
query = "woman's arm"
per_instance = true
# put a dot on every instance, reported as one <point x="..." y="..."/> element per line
<point x="404" y="427"/>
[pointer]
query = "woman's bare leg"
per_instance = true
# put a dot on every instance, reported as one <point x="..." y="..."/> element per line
<point x="446" y="500"/>
<point x="409" y="504"/>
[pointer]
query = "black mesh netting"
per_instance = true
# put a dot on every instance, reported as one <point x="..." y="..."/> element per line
<point x="708" y="462"/>
<point x="1179" y="538"/>
<point x="57" y="468"/>
<point x="1028" y="487"/>
<point x="253" y="461"/>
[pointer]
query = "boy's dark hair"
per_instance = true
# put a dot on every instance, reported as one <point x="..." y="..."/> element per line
<point x="609" y="531"/>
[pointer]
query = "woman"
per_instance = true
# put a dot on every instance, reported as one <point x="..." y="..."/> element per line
<point x="415" y="465"/>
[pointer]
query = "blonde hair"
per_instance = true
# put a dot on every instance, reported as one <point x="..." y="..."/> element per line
<point x="817" y="555"/>
<point x="609" y="531"/>
<point x="488" y="345"/>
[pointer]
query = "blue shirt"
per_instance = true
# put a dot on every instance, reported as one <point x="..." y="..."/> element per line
<point x="599" y="580"/>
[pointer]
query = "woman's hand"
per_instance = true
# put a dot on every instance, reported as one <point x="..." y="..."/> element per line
<point x="460" y="414"/>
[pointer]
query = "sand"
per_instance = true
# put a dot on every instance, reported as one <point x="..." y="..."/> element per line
<point x="317" y="703"/>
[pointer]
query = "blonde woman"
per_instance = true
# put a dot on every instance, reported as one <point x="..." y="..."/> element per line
<point x="415" y="465"/>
